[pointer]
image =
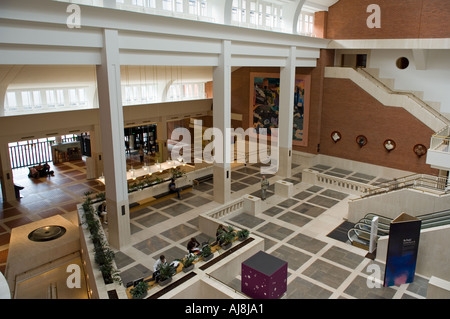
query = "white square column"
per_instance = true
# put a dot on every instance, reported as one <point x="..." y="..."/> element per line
<point x="286" y="115"/>
<point x="6" y="175"/>
<point x="113" y="141"/>
<point x="222" y="124"/>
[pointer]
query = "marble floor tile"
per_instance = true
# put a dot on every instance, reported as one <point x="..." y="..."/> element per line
<point x="334" y="194"/>
<point x="309" y="210"/>
<point x="326" y="273"/>
<point x="196" y="201"/>
<point x="122" y="259"/>
<point x="300" y="288"/>
<point x="275" y="231"/>
<point x="294" y="219"/>
<point x="247" y="220"/>
<point x="135" y="272"/>
<point x="179" y="232"/>
<point x="358" y="288"/>
<point x="293" y="257"/>
<point x="177" y="209"/>
<point x="288" y="203"/>
<point x="150" y="245"/>
<point x="151" y="219"/>
<point x="343" y="257"/>
<point x="272" y="211"/>
<point x="322" y="201"/>
<point x="307" y="243"/>
<point x="302" y="195"/>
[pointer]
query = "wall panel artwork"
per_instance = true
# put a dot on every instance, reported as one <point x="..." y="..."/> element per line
<point x="264" y="105"/>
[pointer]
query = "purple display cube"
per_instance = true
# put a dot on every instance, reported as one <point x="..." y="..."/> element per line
<point x="264" y="276"/>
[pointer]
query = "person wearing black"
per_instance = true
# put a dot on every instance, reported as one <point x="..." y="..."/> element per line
<point x="101" y="211"/>
<point x="173" y="188"/>
<point x="193" y="245"/>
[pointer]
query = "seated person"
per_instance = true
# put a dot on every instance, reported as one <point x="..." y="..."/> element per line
<point x="47" y="170"/>
<point x="33" y="172"/>
<point x="193" y="245"/>
<point x="157" y="265"/>
<point x="173" y="188"/>
<point x="101" y="211"/>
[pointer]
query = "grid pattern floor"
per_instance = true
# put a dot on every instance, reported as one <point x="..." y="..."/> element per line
<point x="294" y="229"/>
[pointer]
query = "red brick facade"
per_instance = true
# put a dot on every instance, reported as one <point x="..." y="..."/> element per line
<point x="347" y="19"/>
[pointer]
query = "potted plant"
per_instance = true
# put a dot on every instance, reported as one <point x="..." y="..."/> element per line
<point x="188" y="262"/>
<point x="206" y="252"/>
<point x="242" y="234"/>
<point x="140" y="290"/>
<point x="166" y="271"/>
<point x="226" y="237"/>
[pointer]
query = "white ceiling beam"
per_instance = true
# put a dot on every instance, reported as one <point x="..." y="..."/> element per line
<point x="420" y="58"/>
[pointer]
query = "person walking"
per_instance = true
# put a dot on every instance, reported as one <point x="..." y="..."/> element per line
<point x="264" y="187"/>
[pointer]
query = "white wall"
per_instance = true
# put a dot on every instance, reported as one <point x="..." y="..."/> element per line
<point x="434" y="81"/>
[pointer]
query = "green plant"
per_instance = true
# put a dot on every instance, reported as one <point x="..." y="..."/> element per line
<point x="88" y="193"/>
<point x="226" y="236"/>
<point x="103" y="255"/>
<point x="177" y="172"/>
<point x="188" y="260"/>
<point x="101" y="196"/>
<point x="206" y="251"/>
<point x="140" y="290"/>
<point x="166" y="271"/>
<point x="243" y="234"/>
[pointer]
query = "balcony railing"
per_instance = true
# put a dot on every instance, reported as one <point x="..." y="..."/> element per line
<point x="441" y="140"/>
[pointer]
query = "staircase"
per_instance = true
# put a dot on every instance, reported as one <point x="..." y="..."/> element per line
<point x="380" y="90"/>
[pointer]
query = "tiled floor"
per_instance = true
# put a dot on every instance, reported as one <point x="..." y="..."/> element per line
<point x="293" y="229"/>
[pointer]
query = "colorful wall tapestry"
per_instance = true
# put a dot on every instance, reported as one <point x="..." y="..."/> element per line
<point x="264" y="109"/>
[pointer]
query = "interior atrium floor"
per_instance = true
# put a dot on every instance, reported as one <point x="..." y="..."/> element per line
<point x="298" y="230"/>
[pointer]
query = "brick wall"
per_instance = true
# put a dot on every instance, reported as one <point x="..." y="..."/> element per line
<point x="351" y="111"/>
<point x="399" y="19"/>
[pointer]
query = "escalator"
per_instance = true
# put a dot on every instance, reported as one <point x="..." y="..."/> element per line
<point x="359" y="235"/>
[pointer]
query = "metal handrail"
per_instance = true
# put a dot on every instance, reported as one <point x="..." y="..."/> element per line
<point x="428" y="221"/>
<point x="414" y="180"/>
<point x="410" y="95"/>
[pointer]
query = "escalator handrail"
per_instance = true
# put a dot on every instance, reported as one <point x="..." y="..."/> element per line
<point x="369" y="229"/>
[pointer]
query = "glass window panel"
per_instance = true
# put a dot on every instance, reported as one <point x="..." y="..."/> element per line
<point x="60" y="97"/>
<point x="73" y="100"/>
<point x="82" y="96"/>
<point x="192" y="6"/>
<point x="26" y="98"/>
<point x="50" y="96"/>
<point x="37" y="100"/>
<point x="179" y="5"/>
<point x="11" y="99"/>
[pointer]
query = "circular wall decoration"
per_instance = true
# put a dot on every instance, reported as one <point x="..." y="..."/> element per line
<point x="336" y="136"/>
<point x="402" y="63"/>
<point x="46" y="233"/>
<point x="361" y="140"/>
<point x="389" y="145"/>
<point x="420" y="149"/>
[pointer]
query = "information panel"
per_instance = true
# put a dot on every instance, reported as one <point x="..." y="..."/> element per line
<point x="404" y="233"/>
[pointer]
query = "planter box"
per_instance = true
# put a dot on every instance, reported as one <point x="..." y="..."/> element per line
<point x="209" y="257"/>
<point x="165" y="282"/>
<point x="225" y="247"/>
<point x="188" y="269"/>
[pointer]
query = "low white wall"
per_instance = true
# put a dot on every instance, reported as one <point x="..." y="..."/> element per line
<point x="392" y="204"/>
<point x="204" y="288"/>
<point x="438" y="288"/>
<point x="164" y="187"/>
<point x="433" y="256"/>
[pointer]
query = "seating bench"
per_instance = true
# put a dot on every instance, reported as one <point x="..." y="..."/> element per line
<point x="157" y="198"/>
<point x="202" y="179"/>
